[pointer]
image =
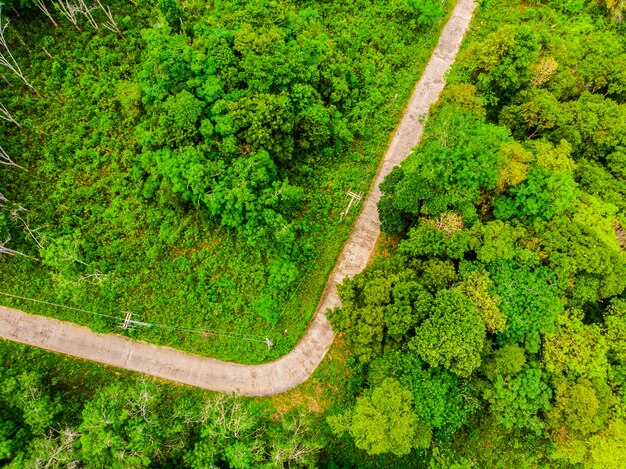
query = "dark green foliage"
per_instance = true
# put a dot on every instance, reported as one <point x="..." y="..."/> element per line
<point x="516" y="399"/>
<point x="441" y="399"/>
<point x="529" y="300"/>
<point x="62" y="411"/>
<point x="456" y="161"/>
<point x="453" y="334"/>
<point x="199" y="165"/>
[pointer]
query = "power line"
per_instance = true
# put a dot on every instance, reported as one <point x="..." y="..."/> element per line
<point x="59" y="306"/>
<point x="160" y="326"/>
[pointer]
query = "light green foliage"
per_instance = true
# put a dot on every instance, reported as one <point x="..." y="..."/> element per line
<point x="452" y="336"/>
<point x="615" y="321"/>
<point x="476" y="287"/>
<point x="383" y="421"/>
<point x="542" y="195"/>
<point x="515" y="161"/>
<point x="425" y="240"/>
<point x="464" y="96"/>
<point x="581" y="408"/>
<point x="608" y="448"/>
<point x="508" y="360"/>
<point x="554" y="158"/>
<point x="576" y="349"/>
<point x="497" y="240"/>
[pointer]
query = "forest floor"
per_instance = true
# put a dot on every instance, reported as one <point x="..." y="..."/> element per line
<point x="298" y="365"/>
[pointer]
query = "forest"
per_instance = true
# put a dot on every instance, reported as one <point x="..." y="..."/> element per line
<point x="489" y="330"/>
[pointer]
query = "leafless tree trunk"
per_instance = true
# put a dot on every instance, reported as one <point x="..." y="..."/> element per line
<point x="69" y="10"/>
<point x="15" y="215"/>
<point x="85" y="10"/>
<point x="6" y="58"/>
<point x="6" y="115"/>
<point x="42" y="6"/>
<point x="97" y="278"/>
<point x="10" y="252"/>
<point x="6" y="160"/>
<point x="47" y="53"/>
<point x="111" y="24"/>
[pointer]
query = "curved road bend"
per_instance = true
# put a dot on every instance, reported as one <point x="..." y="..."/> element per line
<point x="295" y="367"/>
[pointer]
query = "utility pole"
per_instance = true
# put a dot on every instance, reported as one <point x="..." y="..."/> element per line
<point x="353" y="197"/>
<point x="128" y="321"/>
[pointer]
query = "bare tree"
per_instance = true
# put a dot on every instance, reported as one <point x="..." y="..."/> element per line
<point x="42" y="6"/>
<point x="6" y="115"/>
<point x="58" y="449"/>
<point x="70" y="11"/>
<point x="86" y="10"/>
<point x="10" y="252"/>
<point x="6" y="57"/>
<point x="111" y="24"/>
<point x="6" y="160"/>
<point x="95" y="278"/>
<point x="33" y="233"/>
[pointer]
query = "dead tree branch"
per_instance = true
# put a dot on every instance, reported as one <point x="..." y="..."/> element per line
<point x="85" y="10"/>
<point x="6" y="57"/>
<point x="6" y="160"/>
<point x="111" y="24"/>
<point x="42" y="6"/>
<point x="69" y="10"/>
<point x="11" y="252"/>
<point x="15" y="215"/>
<point x="6" y="115"/>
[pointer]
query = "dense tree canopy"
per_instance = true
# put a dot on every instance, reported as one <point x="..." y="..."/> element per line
<point x="509" y="218"/>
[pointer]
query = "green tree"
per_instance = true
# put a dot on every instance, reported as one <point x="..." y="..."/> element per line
<point x="529" y="299"/>
<point x="452" y="336"/>
<point x="516" y="399"/>
<point x="457" y="160"/>
<point x="501" y="65"/>
<point x="383" y="421"/>
<point x="121" y="426"/>
<point x="576" y="349"/>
